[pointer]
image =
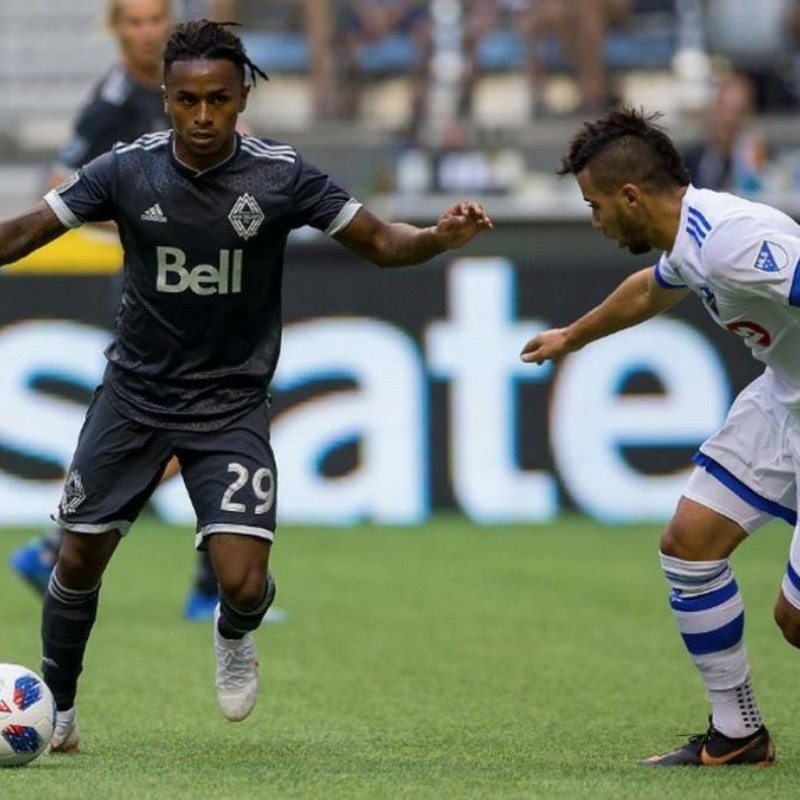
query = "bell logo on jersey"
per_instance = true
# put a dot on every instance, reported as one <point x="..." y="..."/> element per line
<point x="203" y="279"/>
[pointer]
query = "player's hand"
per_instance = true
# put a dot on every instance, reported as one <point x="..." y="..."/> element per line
<point x="459" y="224"/>
<point x="546" y="346"/>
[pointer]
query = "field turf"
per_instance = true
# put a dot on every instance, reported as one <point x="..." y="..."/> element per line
<point x="445" y="661"/>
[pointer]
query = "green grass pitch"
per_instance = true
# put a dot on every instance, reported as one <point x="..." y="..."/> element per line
<point x="445" y="661"/>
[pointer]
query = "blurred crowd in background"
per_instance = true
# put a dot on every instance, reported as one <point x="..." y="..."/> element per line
<point x="463" y="93"/>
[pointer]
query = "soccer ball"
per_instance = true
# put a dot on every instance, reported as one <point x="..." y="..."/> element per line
<point x="27" y="715"/>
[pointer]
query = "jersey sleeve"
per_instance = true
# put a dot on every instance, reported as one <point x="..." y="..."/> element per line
<point x="88" y="195"/>
<point x="667" y="276"/>
<point x="319" y="202"/>
<point x="751" y="259"/>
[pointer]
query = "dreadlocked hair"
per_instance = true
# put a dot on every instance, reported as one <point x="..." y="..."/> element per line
<point x="626" y="146"/>
<point x="204" y="39"/>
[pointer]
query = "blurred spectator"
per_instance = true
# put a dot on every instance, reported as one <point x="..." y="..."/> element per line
<point x="287" y="35"/>
<point x="501" y="19"/>
<point x="272" y="15"/>
<point x="385" y="36"/>
<point x="579" y="27"/>
<point x="731" y="156"/>
<point x="759" y="39"/>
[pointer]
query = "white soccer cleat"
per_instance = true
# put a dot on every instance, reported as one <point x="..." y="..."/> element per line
<point x="237" y="673"/>
<point x="66" y="736"/>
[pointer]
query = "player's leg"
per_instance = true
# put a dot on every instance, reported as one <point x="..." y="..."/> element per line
<point x="231" y="477"/>
<point x="116" y="467"/>
<point x="247" y="590"/>
<point x="34" y="561"/>
<point x="745" y="477"/>
<point x="68" y="615"/>
<point x="787" y="606"/>
<point x="708" y="608"/>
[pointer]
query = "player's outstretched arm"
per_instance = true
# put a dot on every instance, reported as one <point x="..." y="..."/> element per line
<point x="636" y="299"/>
<point x="27" y="232"/>
<point x="399" y="244"/>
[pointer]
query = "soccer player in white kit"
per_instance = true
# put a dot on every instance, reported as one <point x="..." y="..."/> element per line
<point x="743" y="260"/>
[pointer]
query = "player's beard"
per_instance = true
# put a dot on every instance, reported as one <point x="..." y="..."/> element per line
<point x="632" y="236"/>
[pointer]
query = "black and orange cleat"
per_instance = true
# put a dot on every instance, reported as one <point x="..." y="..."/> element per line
<point x="714" y="749"/>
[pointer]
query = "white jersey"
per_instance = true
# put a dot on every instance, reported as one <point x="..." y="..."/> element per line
<point x="742" y="259"/>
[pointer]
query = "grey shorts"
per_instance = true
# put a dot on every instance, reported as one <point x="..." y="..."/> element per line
<point x="230" y="473"/>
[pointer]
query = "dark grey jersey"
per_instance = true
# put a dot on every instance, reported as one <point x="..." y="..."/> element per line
<point x="199" y="327"/>
<point x="120" y="110"/>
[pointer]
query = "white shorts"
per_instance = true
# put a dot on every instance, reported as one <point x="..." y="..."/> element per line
<point x="754" y="459"/>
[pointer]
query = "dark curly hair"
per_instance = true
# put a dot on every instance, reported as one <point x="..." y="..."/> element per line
<point x="204" y="39"/>
<point x="626" y="146"/>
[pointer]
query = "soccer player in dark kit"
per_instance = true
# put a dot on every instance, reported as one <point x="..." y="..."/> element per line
<point x="203" y="214"/>
<point x="125" y="104"/>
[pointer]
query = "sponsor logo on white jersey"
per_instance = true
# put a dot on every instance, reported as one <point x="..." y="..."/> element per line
<point x="751" y="332"/>
<point x="153" y="214"/>
<point x="246" y="216"/>
<point x="175" y="277"/>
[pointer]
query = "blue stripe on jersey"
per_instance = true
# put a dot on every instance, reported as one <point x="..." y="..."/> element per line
<point x="694" y="236"/>
<point x="700" y="218"/>
<point x="742" y="490"/>
<point x="662" y="283"/>
<point x="704" y="601"/>
<point x="729" y="635"/>
<point x="696" y="227"/>
<point x="793" y="576"/>
<point x="794" y="291"/>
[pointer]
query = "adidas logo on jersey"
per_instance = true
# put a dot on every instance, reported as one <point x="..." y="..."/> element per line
<point x="153" y="214"/>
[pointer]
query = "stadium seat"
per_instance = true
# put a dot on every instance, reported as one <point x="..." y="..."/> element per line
<point x="647" y="42"/>
<point x="278" y="51"/>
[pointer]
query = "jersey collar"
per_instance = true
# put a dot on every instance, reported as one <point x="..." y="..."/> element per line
<point x="198" y="173"/>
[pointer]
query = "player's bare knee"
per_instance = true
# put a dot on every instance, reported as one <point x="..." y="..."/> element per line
<point x="77" y="568"/>
<point x="699" y="533"/>
<point x="244" y="589"/>
<point x="676" y="542"/>
<point x="82" y="558"/>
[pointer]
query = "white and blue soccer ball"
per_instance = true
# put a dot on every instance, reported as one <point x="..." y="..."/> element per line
<point x="27" y="715"/>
